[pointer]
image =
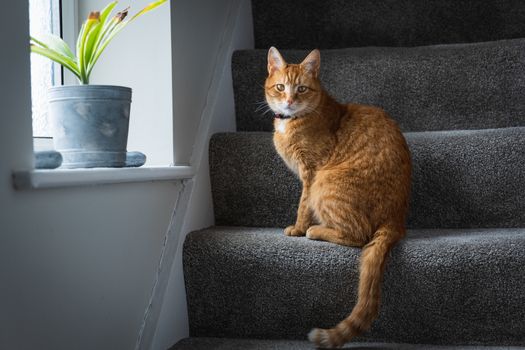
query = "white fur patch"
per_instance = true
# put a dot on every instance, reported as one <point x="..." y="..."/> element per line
<point x="281" y="125"/>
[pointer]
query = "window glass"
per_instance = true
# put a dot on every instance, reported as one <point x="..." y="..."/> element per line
<point x="44" y="18"/>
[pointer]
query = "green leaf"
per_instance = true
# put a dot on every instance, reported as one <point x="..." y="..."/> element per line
<point x="94" y="36"/>
<point x="114" y="30"/>
<point x="91" y="41"/>
<point x="67" y="62"/>
<point x="114" y="27"/>
<point x="104" y="15"/>
<point x="87" y="27"/>
<point x="55" y="43"/>
<point x="79" y="38"/>
<point x="148" y="8"/>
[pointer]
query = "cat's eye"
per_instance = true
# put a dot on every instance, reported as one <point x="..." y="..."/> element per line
<point x="302" y="89"/>
<point x="279" y="87"/>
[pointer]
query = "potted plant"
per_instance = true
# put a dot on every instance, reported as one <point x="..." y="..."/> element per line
<point x="89" y="122"/>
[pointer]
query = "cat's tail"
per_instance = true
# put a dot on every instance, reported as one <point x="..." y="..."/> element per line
<point x="373" y="259"/>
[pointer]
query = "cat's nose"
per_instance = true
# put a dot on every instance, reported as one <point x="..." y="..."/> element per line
<point x="289" y="101"/>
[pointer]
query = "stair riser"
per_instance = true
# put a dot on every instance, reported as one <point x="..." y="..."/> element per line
<point x="469" y="86"/>
<point x="339" y="23"/>
<point x="460" y="179"/>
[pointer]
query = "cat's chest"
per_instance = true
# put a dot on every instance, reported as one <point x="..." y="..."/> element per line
<point x="280" y="125"/>
<point x="291" y="160"/>
<point x="283" y="143"/>
<point x="293" y="146"/>
<point x="303" y="150"/>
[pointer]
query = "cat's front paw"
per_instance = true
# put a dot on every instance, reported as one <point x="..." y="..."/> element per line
<point x="293" y="231"/>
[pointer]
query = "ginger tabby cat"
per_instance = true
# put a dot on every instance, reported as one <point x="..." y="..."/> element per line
<point x="355" y="169"/>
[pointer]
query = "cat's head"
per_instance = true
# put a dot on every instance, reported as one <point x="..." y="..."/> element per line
<point x="293" y="89"/>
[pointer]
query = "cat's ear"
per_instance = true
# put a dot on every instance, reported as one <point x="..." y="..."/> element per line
<point x="312" y="62"/>
<point x="275" y="60"/>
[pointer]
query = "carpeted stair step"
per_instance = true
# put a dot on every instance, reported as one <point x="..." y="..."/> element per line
<point x="341" y="23"/>
<point x="442" y="87"/>
<point x="256" y="344"/>
<point x="451" y="287"/>
<point x="472" y="178"/>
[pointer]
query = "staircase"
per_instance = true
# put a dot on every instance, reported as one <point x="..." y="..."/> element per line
<point x="452" y="73"/>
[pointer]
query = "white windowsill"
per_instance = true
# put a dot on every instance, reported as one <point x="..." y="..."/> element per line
<point x="39" y="179"/>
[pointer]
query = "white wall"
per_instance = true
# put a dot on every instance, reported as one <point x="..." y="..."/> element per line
<point x="77" y="265"/>
<point x="197" y="34"/>
<point x="173" y="320"/>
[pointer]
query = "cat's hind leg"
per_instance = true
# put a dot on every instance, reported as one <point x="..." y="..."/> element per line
<point x="340" y="223"/>
<point x="323" y="233"/>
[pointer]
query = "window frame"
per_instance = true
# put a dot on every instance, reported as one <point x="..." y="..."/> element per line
<point x="30" y="178"/>
<point x="59" y="178"/>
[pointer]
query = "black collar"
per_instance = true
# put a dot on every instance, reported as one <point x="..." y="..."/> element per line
<point x="282" y="116"/>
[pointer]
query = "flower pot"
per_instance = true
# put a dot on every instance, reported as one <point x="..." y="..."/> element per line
<point x="90" y="124"/>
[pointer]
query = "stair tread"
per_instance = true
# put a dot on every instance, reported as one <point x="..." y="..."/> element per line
<point x="266" y="344"/>
<point x="442" y="286"/>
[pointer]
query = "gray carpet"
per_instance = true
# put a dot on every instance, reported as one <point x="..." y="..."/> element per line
<point x="471" y="178"/>
<point x="458" y="278"/>
<point x="450" y="287"/>
<point x="252" y="344"/>
<point x="443" y="87"/>
<point x="342" y="23"/>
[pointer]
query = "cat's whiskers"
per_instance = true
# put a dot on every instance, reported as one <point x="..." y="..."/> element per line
<point x="269" y="110"/>
<point x="263" y="106"/>
<point x="260" y="108"/>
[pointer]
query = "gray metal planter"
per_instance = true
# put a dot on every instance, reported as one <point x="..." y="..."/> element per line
<point x="90" y="124"/>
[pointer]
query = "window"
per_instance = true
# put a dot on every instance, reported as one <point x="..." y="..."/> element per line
<point x="131" y="60"/>
<point x="44" y="18"/>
